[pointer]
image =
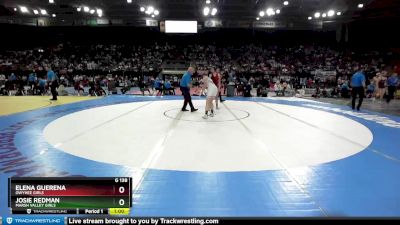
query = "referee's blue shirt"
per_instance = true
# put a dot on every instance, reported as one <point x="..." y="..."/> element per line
<point x="357" y="79"/>
<point x="51" y="76"/>
<point x="186" y="80"/>
<point x="393" y="81"/>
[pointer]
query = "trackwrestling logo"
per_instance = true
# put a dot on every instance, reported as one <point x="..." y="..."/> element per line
<point x="24" y="220"/>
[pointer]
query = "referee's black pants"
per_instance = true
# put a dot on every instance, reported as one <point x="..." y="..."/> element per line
<point x="390" y="95"/>
<point x="354" y="92"/>
<point x="53" y="89"/>
<point x="188" y="99"/>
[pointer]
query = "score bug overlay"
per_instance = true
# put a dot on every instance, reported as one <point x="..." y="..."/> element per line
<point x="70" y="195"/>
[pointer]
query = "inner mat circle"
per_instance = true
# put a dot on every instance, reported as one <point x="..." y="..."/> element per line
<point x="274" y="137"/>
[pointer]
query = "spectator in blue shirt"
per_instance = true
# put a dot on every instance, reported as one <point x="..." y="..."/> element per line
<point x="42" y="82"/>
<point x="392" y="83"/>
<point x="358" y="85"/>
<point x="370" y="89"/>
<point x="157" y="86"/>
<point x="53" y="83"/>
<point x="344" y="90"/>
<point x="168" y="87"/>
<point x="185" y="85"/>
<point x="12" y="77"/>
<point x="32" y="79"/>
<point x="41" y="86"/>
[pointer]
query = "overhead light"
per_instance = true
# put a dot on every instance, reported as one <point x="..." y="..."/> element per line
<point x="360" y="5"/>
<point x="324" y="15"/>
<point x="99" y="11"/>
<point x="270" y="11"/>
<point x="142" y="9"/>
<point x="78" y="9"/>
<point x="92" y="11"/>
<point x="15" y="9"/>
<point x="23" y="9"/>
<point x="152" y="16"/>
<point x="147" y="12"/>
<point x="339" y="13"/>
<point x="129" y="1"/>
<point x="258" y="18"/>
<point x="286" y="3"/>
<point x="208" y="1"/>
<point x="206" y="11"/>
<point x="86" y="9"/>
<point x="309" y="18"/>
<point x="331" y="13"/>
<point x="43" y="12"/>
<point x="262" y="13"/>
<point x="214" y="11"/>
<point x="317" y="15"/>
<point x="156" y="12"/>
<point x="35" y="12"/>
<point x="51" y="1"/>
<point x="150" y="9"/>
<point x="53" y="15"/>
<point x="278" y="11"/>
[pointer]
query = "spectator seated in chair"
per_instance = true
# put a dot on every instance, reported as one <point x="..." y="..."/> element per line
<point x="344" y="90"/>
<point x="240" y="89"/>
<point x="143" y="87"/>
<point x="247" y="90"/>
<point x="278" y="89"/>
<point x="61" y="90"/>
<point x="335" y="92"/>
<point x="260" y="90"/>
<point x="158" y="86"/>
<point x="168" y="89"/>
<point x="324" y="93"/>
<point x="317" y="93"/>
<point x="79" y="87"/>
<point x="370" y="90"/>
<point x="98" y="90"/>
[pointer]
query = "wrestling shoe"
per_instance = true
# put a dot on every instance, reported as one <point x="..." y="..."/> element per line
<point x="205" y="117"/>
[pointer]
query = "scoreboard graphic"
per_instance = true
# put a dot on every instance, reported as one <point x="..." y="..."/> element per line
<point x="70" y="195"/>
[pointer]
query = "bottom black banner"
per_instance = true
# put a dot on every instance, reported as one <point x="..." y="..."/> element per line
<point x="211" y="221"/>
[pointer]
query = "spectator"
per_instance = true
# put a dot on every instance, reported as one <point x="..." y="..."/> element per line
<point x="370" y="90"/>
<point x="344" y="90"/>
<point x="392" y="83"/>
<point x="247" y="90"/>
<point x="168" y="88"/>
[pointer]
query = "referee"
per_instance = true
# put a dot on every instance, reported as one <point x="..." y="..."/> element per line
<point x="52" y="82"/>
<point x="185" y="89"/>
<point x="358" y="85"/>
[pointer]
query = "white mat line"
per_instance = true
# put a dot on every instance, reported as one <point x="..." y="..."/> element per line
<point x="153" y="157"/>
